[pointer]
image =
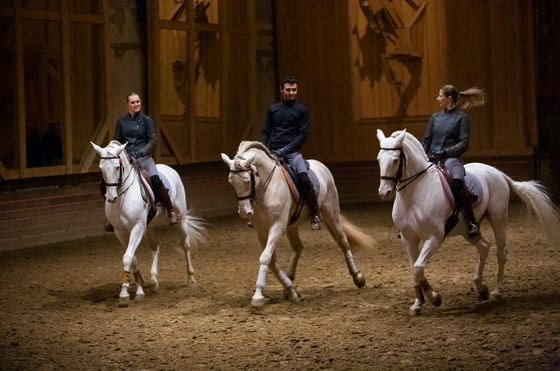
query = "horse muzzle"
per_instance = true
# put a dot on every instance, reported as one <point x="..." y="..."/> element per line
<point x="245" y="210"/>
<point x="386" y="193"/>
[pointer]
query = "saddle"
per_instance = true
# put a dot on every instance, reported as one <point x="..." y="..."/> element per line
<point x="471" y="186"/>
<point x="148" y="193"/>
<point x="291" y="176"/>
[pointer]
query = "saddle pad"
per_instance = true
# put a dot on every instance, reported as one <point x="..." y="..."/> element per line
<point x="473" y="185"/>
<point x="289" y="178"/>
<point x="165" y="182"/>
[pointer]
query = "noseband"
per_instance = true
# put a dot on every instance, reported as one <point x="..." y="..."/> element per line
<point x="253" y="195"/>
<point x="402" y="163"/>
<point x="119" y="183"/>
<point x="121" y="170"/>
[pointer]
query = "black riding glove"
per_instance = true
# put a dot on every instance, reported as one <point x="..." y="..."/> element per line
<point x="281" y="152"/>
<point x="437" y="156"/>
<point x="136" y="154"/>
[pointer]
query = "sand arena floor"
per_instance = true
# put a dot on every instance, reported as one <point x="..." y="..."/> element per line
<point x="59" y="310"/>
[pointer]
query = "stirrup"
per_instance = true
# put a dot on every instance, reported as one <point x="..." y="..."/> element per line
<point x="473" y="230"/>
<point x="316" y="222"/>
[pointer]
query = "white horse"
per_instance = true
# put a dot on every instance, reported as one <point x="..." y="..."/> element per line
<point x="420" y="209"/>
<point x="264" y="199"/>
<point x="126" y="208"/>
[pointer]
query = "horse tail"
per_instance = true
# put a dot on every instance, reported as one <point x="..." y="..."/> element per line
<point x="534" y="196"/>
<point x="355" y="235"/>
<point x="196" y="230"/>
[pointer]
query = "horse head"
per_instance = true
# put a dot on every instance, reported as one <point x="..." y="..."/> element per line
<point x="243" y="178"/>
<point x="112" y="167"/>
<point x="391" y="160"/>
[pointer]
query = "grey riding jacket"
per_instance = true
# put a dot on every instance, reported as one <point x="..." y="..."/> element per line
<point x="448" y="130"/>
<point x="138" y="131"/>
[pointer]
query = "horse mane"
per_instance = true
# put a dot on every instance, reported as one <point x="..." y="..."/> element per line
<point x="114" y="144"/>
<point x="412" y="143"/>
<point x="247" y="145"/>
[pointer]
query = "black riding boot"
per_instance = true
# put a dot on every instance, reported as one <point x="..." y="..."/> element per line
<point x="162" y="194"/>
<point x="311" y="198"/>
<point x="461" y="198"/>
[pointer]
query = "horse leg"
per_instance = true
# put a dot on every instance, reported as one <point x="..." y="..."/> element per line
<point x="285" y="280"/>
<point x="140" y="295"/>
<point x="186" y="245"/>
<point x="499" y="227"/>
<point x="297" y="247"/>
<point x="337" y="232"/>
<point x="274" y="235"/>
<point x="483" y="247"/>
<point x="154" y="246"/>
<point x="411" y="247"/>
<point x="420" y="281"/>
<point x="128" y="257"/>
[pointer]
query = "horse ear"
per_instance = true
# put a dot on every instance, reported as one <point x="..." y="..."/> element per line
<point x="400" y="138"/>
<point x="97" y="149"/>
<point x="226" y="159"/>
<point x="249" y="160"/>
<point x="119" y="150"/>
<point x="380" y="135"/>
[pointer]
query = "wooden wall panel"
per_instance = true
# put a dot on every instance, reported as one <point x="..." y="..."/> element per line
<point x="350" y="92"/>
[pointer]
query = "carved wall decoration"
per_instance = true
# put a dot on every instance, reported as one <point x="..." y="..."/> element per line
<point x="392" y="22"/>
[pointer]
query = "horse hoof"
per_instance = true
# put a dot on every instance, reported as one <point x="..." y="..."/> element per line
<point x="192" y="286"/>
<point x="139" y="297"/>
<point x="258" y="302"/>
<point x="496" y="294"/>
<point x="124" y="301"/>
<point x="437" y="301"/>
<point x="484" y="293"/>
<point x="415" y="312"/>
<point x="359" y="279"/>
<point x="294" y="296"/>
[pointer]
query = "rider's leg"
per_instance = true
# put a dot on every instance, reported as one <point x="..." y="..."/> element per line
<point x="461" y="198"/>
<point x="311" y="198"/>
<point x="296" y="160"/>
<point x="162" y="194"/>
<point x="455" y="166"/>
<point x="147" y="163"/>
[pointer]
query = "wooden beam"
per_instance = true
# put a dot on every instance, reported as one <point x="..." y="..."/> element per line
<point x="191" y="119"/>
<point x="45" y="15"/>
<point x="88" y="18"/>
<point x="66" y="91"/>
<point x="107" y="65"/>
<point x="174" y="145"/>
<point x="225" y="46"/>
<point x="253" y="70"/>
<point x="90" y="154"/>
<point x="20" y="90"/>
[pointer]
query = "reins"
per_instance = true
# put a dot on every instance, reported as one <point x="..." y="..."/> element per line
<point x="402" y="163"/>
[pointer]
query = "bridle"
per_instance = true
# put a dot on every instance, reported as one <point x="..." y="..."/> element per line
<point x="402" y="163"/>
<point x="121" y="170"/>
<point x="253" y="174"/>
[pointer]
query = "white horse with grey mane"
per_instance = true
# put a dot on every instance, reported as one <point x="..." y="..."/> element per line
<point x="421" y="208"/>
<point x="265" y="199"/>
<point x="127" y="205"/>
